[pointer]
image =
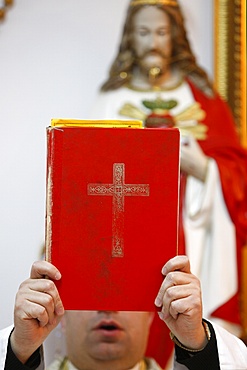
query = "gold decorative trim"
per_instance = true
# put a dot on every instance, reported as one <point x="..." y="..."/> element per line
<point x="220" y="49"/>
<point x="243" y="72"/>
<point x="230" y="58"/>
<point x="154" y="2"/>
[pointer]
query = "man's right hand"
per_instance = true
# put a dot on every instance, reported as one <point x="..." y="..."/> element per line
<point x="38" y="310"/>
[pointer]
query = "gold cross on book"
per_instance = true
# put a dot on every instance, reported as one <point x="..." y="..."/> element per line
<point x="118" y="190"/>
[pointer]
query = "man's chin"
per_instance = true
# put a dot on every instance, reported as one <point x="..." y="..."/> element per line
<point x="108" y="352"/>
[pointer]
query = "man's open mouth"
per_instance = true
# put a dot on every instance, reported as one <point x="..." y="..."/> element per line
<point x="108" y="326"/>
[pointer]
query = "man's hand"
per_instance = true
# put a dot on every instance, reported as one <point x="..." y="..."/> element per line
<point x="193" y="161"/>
<point x="181" y="306"/>
<point x="38" y="310"/>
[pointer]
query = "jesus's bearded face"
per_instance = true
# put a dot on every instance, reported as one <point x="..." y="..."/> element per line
<point x="151" y="40"/>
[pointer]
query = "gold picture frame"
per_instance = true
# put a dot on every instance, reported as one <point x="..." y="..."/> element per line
<point x="230" y="58"/>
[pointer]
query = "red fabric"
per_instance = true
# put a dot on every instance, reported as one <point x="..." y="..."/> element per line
<point x="160" y="345"/>
<point x="223" y="145"/>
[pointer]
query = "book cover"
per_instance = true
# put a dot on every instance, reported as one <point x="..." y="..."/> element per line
<point x="111" y="218"/>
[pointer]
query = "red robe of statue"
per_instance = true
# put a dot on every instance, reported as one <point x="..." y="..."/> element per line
<point x="222" y="144"/>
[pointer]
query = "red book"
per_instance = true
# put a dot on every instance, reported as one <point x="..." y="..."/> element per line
<point x="111" y="220"/>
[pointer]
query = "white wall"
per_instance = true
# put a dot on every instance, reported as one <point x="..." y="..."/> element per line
<point x="54" y="54"/>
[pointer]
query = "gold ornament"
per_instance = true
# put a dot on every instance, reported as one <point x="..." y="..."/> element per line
<point x="187" y="121"/>
<point x="154" y="2"/>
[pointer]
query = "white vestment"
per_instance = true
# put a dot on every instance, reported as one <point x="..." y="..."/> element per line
<point x="56" y="365"/>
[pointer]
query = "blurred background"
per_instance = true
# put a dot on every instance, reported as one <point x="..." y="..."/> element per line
<point x="54" y="55"/>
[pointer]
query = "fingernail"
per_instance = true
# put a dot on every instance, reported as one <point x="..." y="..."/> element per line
<point x="164" y="271"/>
<point x="157" y="302"/>
<point x="58" y="275"/>
<point x="42" y="324"/>
<point x="60" y="310"/>
<point x="161" y="315"/>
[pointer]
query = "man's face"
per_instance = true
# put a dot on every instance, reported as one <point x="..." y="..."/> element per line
<point x="106" y="339"/>
<point x="151" y="39"/>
